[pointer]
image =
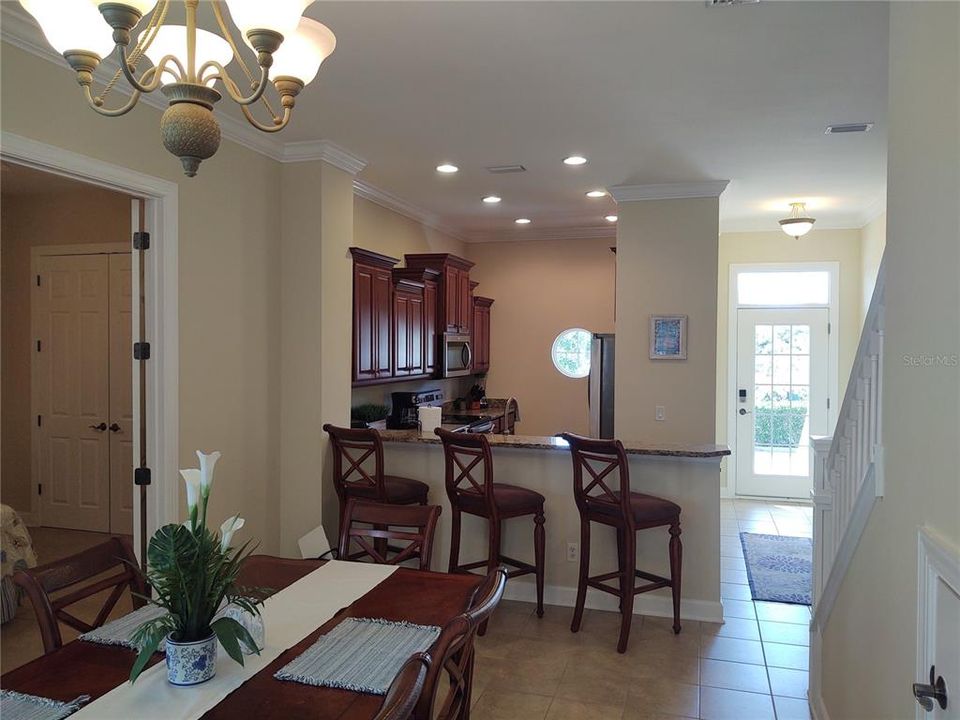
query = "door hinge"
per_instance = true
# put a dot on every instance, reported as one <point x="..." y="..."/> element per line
<point x="141" y="241"/>
<point x="38" y="281"/>
<point x="39" y="420"/>
<point x="828" y="403"/>
<point x="829" y="328"/>
<point x="141" y="351"/>
<point x="38" y="346"/>
<point x="39" y="488"/>
<point x="141" y="476"/>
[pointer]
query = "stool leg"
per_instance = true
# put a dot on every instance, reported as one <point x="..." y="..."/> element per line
<point x="620" y="562"/>
<point x="539" y="541"/>
<point x="584" y="574"/>
<point x="676" y="566"/>
<point x="454" y="542"/>
<point x="493" y="559"/>
<point x="628" y="564"/>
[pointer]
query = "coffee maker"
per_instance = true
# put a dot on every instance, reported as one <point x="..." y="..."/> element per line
<point x="406" y="405"/>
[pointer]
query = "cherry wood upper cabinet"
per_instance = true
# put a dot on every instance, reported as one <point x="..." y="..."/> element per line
<point x="372" y="315"/>
<point x="408" y="327"/>
<point x="429" y="280"/>
<point x="481" y="334"/>
<point x="455" y="311"/>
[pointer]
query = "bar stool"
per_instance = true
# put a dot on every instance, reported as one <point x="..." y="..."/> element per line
<point x="470" y="487"/>
<point x="600" y="500"/>
<point x="354" y="450"/>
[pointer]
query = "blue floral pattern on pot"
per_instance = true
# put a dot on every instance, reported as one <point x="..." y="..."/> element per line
<point x="191" y="663"/>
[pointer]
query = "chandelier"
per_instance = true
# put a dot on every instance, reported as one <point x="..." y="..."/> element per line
<point x="186" y="62"/>
<point x="799" y="223"/>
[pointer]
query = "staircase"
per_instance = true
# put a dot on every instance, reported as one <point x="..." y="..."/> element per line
<point x="847" y="479"/>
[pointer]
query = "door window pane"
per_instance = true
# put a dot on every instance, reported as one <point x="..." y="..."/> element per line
<point x="783" y="288"/>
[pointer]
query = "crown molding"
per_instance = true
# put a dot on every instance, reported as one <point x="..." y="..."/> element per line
<point x="325" y="150"/>
<point x="874" y="210"/>
<point x="398" y="205"/>
<point x="585" y="232"/>
<point x="668" y="191"/>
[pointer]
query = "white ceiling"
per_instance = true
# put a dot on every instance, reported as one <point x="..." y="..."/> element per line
<point x="649" y="92"/>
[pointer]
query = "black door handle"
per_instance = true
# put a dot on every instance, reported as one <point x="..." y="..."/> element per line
<point x="114" y="427"/>
<point x="935" y="690"/>
<point x="99" y="428"/>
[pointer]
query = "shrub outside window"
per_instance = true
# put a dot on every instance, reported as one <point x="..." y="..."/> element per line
<point x="571" y="352"/>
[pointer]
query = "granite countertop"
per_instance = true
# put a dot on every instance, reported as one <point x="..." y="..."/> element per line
<point x="495" y="408"/>
<point x="535" y="442"/>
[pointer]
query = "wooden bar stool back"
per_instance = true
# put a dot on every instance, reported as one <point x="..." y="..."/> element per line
<point x="413" y="524"/>
<point x="471" y="490"/>
<point x="358" y="471"/>
<point x="601" y="487"/>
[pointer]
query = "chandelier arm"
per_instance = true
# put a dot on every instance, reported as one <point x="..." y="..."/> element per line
<point x="159" y="68"/>
<point x="279" y="124"/>
<point x="232" y="89"/>
<point x="116" y="112"/>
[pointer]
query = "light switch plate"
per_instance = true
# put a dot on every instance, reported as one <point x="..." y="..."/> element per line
<point x="661" y="414"/>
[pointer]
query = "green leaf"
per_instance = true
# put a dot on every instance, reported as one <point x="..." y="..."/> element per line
<point x="148" y="636"/>
<point x="227" y="631"/>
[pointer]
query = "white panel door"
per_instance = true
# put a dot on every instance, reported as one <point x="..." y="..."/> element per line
<point x="71" y="391"/>
<point x="121" y="395"/>
<point x="938" y="626"/>
<point x="781" y="398"/>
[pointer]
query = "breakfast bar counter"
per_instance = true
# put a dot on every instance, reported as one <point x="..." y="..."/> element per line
<point x="686" y="473"/>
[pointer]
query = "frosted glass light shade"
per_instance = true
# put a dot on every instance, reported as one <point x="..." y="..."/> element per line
<point x="172" y="40"/>
<point x="301" y="53"/>
<point x="796" y="228"/>
<point x="280" y="16"/>
<point x="71" y="25"/>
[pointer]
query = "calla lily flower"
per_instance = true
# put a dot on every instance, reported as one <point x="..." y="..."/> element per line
<point x="229" y="527"/>
<point x="192" y="478"/>
<point x="208" y="461"/>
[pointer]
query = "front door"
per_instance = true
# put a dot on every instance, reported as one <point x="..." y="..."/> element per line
<point x="781" y="398"/>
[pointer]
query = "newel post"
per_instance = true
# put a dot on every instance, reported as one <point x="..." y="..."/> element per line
<point x="822" y="496"/>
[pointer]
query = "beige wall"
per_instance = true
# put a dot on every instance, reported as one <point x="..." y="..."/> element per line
<point x="541" y="289"/>
<point x="229" y="279"/>
<point x="840" y="246"/>
<point x="869" y="645"/>
<point x="667" y="265"/>
<point x="873" y="239"/>
<point x="61" y="217"/>
<point x="385" y="231"/>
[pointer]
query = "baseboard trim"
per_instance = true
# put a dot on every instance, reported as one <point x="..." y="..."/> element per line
<point x="30" y="519"/>
<point x="817" y="708"/>
<point x="646" y="604"/>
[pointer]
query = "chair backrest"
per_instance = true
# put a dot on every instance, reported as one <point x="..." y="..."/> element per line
<point x="453" y="653"/>
<point x="601" y="475"/>
<point x="382" y="517"/>
<point x="69" y="576"/>
<point x="469" y="466"/>
<point x="357" y="460"/>
<point x="405" y="690"/>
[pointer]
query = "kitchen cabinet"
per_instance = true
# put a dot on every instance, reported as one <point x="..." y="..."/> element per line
<point x="408" y="328"/>
<point x="481" y="334"/>
<point x="454" y="311"/>
<point x="372" y="316"/>
<point x="422" y="333"/>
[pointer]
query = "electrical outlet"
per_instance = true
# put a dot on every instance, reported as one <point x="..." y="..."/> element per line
<point x="573" y="552"/>
<point x="661" y="413"/>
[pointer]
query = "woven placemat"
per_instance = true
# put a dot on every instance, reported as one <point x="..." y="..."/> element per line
<point x="19" y="706"/>
<point x="360" y="654"/>
<point x="121" y="630"/>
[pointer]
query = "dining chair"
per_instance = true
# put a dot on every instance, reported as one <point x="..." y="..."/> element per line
<point x="358" y="471"/>
<point x="471" y="490"/>
<point x="405" y="690"/>
<point x="69" y="576"/>
<point x="453" y="654"/>
<point x="601" y="487"/>
<point x="419" y="522"/>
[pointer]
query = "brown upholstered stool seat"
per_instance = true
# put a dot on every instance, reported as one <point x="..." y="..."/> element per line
<point x="509" y="499"/>
<point x="646" y="508"/>
<point x="399" y="491"/>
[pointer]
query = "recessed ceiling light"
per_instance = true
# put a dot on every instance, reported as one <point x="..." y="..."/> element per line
<point x="522" y="221"/>
<point x="447" y="168"/>
<point x="575" y="160"/>
<point x="610" y="218"/>
<point x="492" y="199"/>
<point x="597" y="193"/>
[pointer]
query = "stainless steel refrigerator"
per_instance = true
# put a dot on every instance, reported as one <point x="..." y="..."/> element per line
<point x="601" y="385"/>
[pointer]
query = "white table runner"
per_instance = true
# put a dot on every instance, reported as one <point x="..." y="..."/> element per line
<point x="288" y="617"/>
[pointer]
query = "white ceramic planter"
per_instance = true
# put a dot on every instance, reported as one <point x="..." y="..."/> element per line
<point x="191" y="663"/>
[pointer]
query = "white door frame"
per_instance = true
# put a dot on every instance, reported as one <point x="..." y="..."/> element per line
<point x="161" y="273"/>
<point x="832" y="341"/>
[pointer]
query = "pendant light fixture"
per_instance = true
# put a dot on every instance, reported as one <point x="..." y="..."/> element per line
<point x="799" y="223"/>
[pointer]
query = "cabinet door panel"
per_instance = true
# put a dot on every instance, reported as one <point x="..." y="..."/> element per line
<point x="401" y="344"/>
<point x="430" y="327"/>
<point x="464" y="302"/>
<point x="364" y="345"/>
<point x="382" y="307"/>
<point x="415" y="335"/>
<point x="451" y="292"/>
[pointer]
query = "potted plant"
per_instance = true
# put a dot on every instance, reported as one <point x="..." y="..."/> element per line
<point x="362" y="415"/>
<point x="193" y="572"/>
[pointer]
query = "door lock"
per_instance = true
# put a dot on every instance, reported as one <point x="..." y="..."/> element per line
<point x="743" y="411"/>
<point x="935" y="690"/>
<point x="114" y="428"/>
<point x="99" y="428"/>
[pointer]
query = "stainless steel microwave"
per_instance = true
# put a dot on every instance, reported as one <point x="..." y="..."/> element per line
<point x="457" y="355"/>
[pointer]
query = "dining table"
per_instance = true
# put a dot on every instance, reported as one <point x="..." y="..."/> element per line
<point x="415" y="596"/>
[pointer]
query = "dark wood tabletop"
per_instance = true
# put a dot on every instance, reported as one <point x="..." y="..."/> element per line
<point x="416" y="596"/>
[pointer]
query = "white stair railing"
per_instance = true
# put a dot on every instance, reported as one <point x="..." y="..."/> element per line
<point x="848" y="467"/>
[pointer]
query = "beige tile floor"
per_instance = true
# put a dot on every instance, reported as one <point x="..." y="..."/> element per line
<point x="753" y="667"/>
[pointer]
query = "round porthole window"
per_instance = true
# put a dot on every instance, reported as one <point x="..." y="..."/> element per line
<point x="571" y="352"/>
